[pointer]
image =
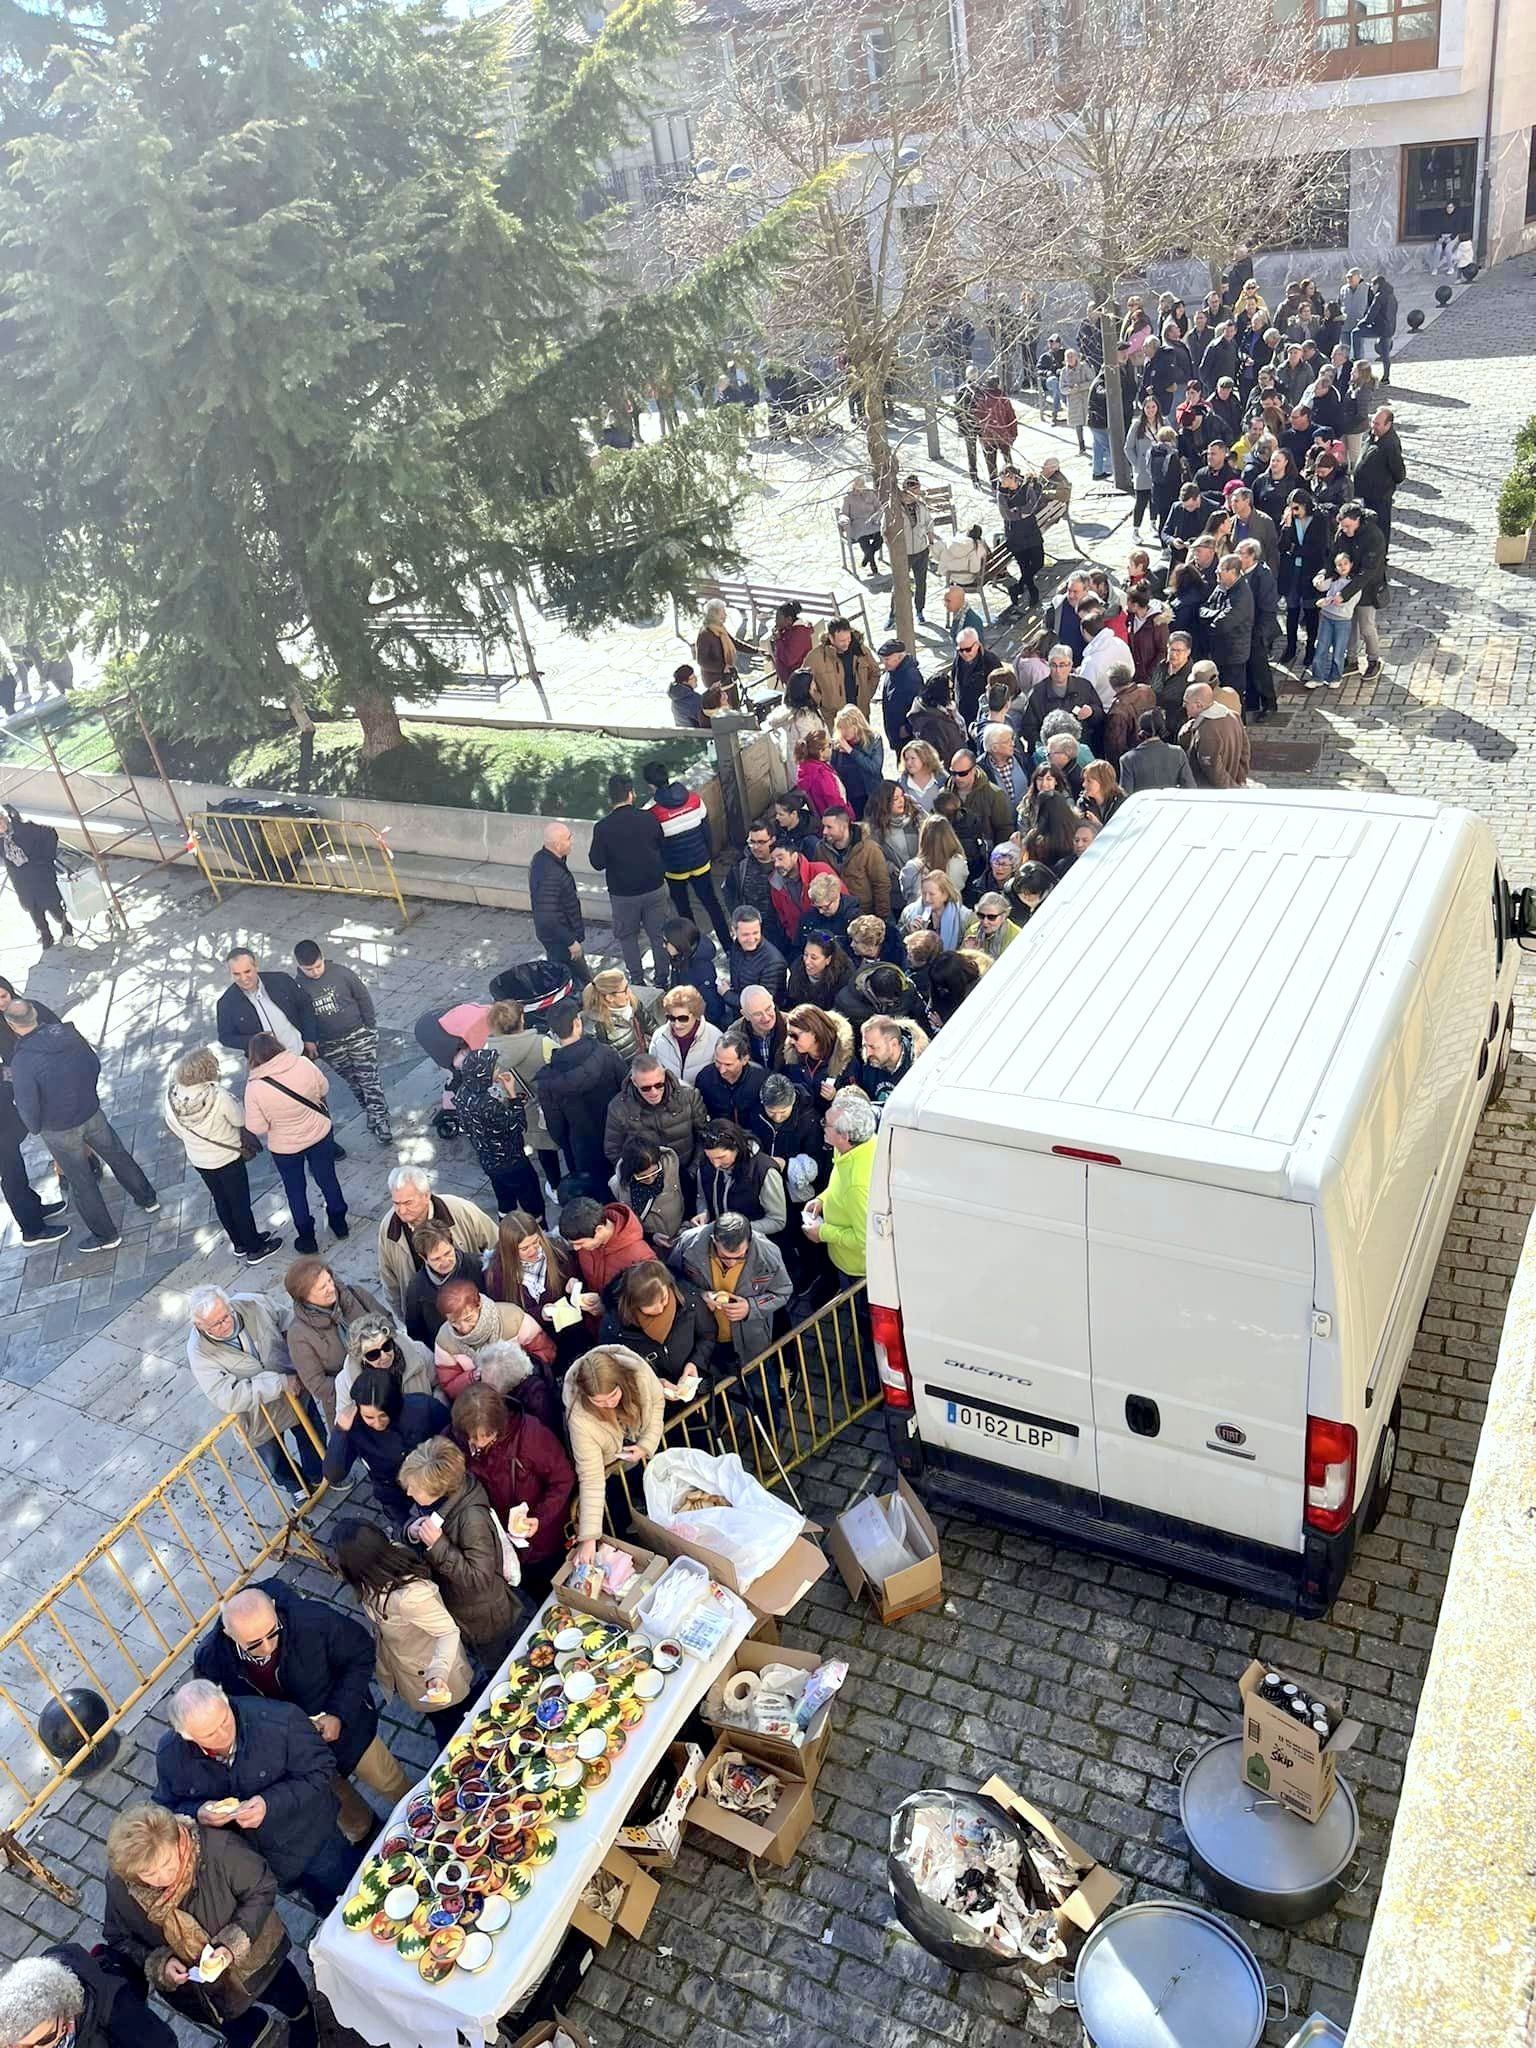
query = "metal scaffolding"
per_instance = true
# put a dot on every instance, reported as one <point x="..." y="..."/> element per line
<point x="81" y="756"/>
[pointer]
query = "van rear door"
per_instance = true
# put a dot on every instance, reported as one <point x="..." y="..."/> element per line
<point x="1200" y="1333"/>
<point x="992" y="1275"/>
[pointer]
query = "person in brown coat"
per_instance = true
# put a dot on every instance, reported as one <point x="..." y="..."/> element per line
<point x="860" y="864"/>
<point x="323" y="1306"/>
<point x="172" y="1889"/>
<point x="1215" y="739"/>
<point x="843" y="670"/>
<point x="1131" y="698"/>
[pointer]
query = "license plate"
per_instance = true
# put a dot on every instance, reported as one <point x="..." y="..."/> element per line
<point x="1029" y="1436"/>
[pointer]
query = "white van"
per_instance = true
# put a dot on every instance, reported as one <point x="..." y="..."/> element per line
<point x="1152" y="1225"/>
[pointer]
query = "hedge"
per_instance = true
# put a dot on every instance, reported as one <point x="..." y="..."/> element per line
<point x="550" y="774"/>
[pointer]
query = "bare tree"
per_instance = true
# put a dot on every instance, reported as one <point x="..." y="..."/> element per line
<point x="910" y="213"/>
<point x="1169" y="131"/>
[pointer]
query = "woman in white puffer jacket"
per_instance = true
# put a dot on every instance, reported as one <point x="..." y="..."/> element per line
<point x="207" y="1119"/>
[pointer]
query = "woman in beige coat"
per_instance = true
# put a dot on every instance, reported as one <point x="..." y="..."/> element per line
<point x="419" y="1653"/>
<point x="613" y="1415"/>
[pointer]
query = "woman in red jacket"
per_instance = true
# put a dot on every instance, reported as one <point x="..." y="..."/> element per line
<point x="791" y="641"/>
<point x="527" y="1477"/>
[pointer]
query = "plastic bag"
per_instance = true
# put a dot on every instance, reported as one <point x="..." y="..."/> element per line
<point x="754" y="1532"/>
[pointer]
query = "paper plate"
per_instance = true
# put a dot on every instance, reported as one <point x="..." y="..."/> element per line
<point x="476" y="1952"/>
<point x="402" y="1902"/>
<point x="591" y="1743"/>
<point x="569" y="1638"/>
<point x="649" y="1685"/>
<point x="579" y="1686"/>
<point x="569" y="1775"/>
<point x="495" y="1913"/>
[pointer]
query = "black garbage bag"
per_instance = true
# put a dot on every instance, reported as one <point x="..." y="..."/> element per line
<point x="536" y="984"/>
<point x="270" y="852"/>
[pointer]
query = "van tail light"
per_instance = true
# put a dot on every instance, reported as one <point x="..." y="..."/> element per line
<point x="891" y="1356"/>
<point x="1331" y="1451"/>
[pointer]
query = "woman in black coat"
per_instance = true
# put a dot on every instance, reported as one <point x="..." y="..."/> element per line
<point x="664" y="1320"/>
<point x="737" y="1178"/>
<point x="29" y="851"/>
<point x="1186" y="594"/>
<point x="692" y="962"/>
<point x="378" y="1428"/>
<point x="1303" y="552"/>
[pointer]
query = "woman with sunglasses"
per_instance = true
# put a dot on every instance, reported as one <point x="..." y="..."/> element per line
<point x="378" y="1428"/>
<point x="65" y="1995"/>
<point x="374" y="1341"/>
<point x="175" y="1889"/>
<point x="685" y="1044"/>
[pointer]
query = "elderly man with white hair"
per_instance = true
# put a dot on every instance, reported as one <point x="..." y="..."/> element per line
<point x="263" y="1767"/>
<point x="239" y="1358"/>
<point x="412" y="1203"/>
<point x="836" y="1218"/>
<point x="556" y="903"/>
<point x="66" y="1996"/>
<point x="1215" y="739"/>
<point x="270" y="1643"/>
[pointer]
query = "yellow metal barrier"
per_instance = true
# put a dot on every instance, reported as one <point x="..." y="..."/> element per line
<point x="129" y="1609"/>
<point x="335" y="856"/>
<point x="788" y="1403"/>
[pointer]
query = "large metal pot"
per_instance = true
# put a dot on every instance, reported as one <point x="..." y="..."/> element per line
<point x="1166" y="1974"/>
<point x="1258" y="1859"/>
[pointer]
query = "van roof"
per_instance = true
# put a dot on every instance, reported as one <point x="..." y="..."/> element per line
<point x="1203" y="990"/>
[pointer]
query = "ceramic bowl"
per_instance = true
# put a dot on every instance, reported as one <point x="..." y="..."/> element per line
<point x="579" y="1686"/>
<point x="402" y="1902"/>
<point x="495" y="1913"/>
<point x="591" y="1743"/>
<point x="476" y="1952"/>
<point x="649" y="1685"/>
<point x="667" y="1655"/>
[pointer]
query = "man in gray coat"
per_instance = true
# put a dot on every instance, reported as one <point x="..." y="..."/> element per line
<point x="239" y="1358"/>
<point x="742" y="1277"/>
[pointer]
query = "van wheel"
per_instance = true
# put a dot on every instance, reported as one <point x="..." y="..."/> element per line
<point x="1386" y="1466"/>
<point x="1501" y="1065"/>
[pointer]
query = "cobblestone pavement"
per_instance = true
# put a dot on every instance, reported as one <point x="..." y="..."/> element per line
<point x="1078" y="1678"/>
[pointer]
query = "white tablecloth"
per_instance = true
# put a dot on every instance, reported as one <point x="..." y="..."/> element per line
<point x="385" y="1999"/>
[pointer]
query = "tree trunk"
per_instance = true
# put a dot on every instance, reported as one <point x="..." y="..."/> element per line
<point x="380" y="721"/>
<point x="882" y="471"/>
<point x="1114" y="404"/>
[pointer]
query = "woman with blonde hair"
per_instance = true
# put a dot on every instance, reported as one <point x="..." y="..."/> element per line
<point x="616" y="1012"/>
<point x="523" y="1051"/>
<point x="939" y="848"/>
<point x="614" y="1409"/>
<point x="1102" y="794"/>
<point x="204" y="1115"/>
<point x="456" y="1530"/>
<point x="858" y="754"/>
<point x="939" y="909"/>
<point x="174" y="1890"/>
<point x="715" y="652"/>
<point x="922" y="775"/>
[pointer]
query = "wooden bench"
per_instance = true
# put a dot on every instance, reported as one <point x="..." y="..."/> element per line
<point x="451" y="640"/>
<point x="757" y="603"/>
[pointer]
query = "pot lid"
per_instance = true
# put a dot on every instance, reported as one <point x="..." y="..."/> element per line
<point x="1165" y="1974"/>
<point x="1251" y="1839"/>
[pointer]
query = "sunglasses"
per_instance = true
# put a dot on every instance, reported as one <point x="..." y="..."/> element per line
<point x="260" y="1642"/>
<point x="373" y="1357"/>
<point x="650" y="1087"/>
<point x="989" y="916"/>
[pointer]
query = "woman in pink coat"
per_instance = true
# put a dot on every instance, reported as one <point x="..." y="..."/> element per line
<point x="816" y="776"/>
<point x="285" y="1102"/>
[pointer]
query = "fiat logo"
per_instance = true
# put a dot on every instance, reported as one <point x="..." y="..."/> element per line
<point x="1230" y="1433"/>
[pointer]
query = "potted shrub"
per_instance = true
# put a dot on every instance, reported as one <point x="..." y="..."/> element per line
<point x="1517" y="515"/>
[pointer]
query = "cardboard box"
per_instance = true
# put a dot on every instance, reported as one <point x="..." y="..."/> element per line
<point x="772" y="1840"/>
<point x="544" y="2032"/>
<point x="803" y="1760"/>
<point x="904" y="1592"/>
<point x="655" y="1843"/>
<point x="1097" y="1888"/>
<point x="648" y="1569"/>
<point x="1284" y="1759"/>
<point x="640" y="1896"/>
<point x="775" y="1593"/>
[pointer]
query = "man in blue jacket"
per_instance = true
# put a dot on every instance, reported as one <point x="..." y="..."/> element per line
<point x="54" y="1075"/>
<point x="903" y="683"/>
<point x="260" y="1766"/>
<point x="270" y="1643"/>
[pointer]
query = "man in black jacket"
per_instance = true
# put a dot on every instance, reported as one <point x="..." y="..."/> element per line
<point x="627" y="851"/>
<point x="753" y="959"/>
<point x="38" y="1221"/>
<point x="1259" y="690"/>
<point x="1226" y="620"/>
<point x="261" y="1766"/>
<point x="1358" y="533"/>
<point x="656" y="1107"/>
<point x="1380" y="470"/>
<point x="750" y="881"/>
<point x="270" y="1643"/>
<point x="54" y="1075"/>
<point x="556" y="904"/>
<point x="575" y="1088"/>
<point x="258" y="1001"/>
<point x="733" y="1086"/>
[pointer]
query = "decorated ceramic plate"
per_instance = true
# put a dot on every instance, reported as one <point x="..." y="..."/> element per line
<point x="538" y="1774"/>
<point x="421" y="1919"/>
<point x="617" y="1738"/>
<point x="382" y="1928"/>
<point x="544" y="1845"/>
<point x="476" y="1952"/>
<point x="557" y="1616"/>
<point x="519" y="1883"/>
<point x="494" y="1914"/>
<point x="396" y="1843"/>
<point x="446" y="1942"/>
<point x="566" y="1805"/>
<point x="631" y="1713"/>
<point x="435" y="1969"/>
<point x="576" y="1718"/>
<point x="357" y="1912"/>
<point x="412" y="1946"/>
<point x="541" y="1655"/>
<point x="552" y="1712"/>
<point x="607" y="1715"/>
<point x="372" y="1884"/>
<point x="599" y="1771"/>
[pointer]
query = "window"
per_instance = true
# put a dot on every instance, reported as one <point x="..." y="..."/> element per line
<point x="1439" y="187"/>
<point x="1530" y="180"/>
<point x="1322" y="218"/>
<point x="1363" y="36"/>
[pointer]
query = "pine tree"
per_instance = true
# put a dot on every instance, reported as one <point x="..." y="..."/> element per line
<point x="298" y="350"/>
